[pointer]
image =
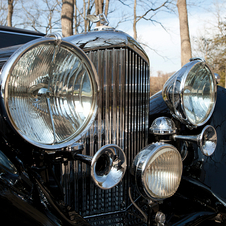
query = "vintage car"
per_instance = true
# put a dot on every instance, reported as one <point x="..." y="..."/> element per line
<point x="83" y="143"/>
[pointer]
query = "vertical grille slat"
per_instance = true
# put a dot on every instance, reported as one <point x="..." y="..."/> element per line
<point x="135" y="121"/>
<point x="131" y="115"/>
<point x="122" y="97"/>
<point x="116" y="101"/>
<point x="147" y="96"/>
<point x="142" y="103"/>
<point x="100" y="97"/>
<point x="121" y="118"/>
<point x="138" y="101"/>
<point x="126" y="107"/>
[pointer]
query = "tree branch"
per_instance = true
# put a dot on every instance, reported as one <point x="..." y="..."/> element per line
<point x="141" y="17"/>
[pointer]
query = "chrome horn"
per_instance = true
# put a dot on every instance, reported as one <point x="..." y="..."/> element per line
<point x="206" y="140"/>
<point x="108" y="165"/>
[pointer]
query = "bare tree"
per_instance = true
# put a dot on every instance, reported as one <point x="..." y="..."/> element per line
<point x="3" y="13"/>
<point x="42" y="16"/>
<point x="135" y="20"/>
<point x="100" y="7"/>
<point x="86" y="11"/>
<point x="212" y="48"/>
<point x="84" y="15"/>
<point x="82" y="24"/>
<point x="106" y="7"/>
<point x="78" y="17"/>
<point x="67" y="17"/>
<point x="10" y="13"/>
<point x="97" y="10"/>
<point x="51" y="8"/>
<point x="146" y="15"/>
<point x="75" y="17"/>
<point x="184" y="32"/>
<point x="31" y="15"/>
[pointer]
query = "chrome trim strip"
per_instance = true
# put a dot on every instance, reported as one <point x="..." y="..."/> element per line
<point x="23" y="34"/>
<point x="104" y="214"/>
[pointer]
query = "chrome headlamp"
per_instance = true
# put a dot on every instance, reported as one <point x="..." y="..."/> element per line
<point x="191" y="93"/>
<point x="157" y="169"/>
<point x="48" y="92"/>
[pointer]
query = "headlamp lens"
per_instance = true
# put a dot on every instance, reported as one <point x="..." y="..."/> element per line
<point x="51" y="94"/>
<point x="163" y="173"/>
<point x="157" y="170"/>
<point x="191" y="93"/>
<point x="199" y="94"/>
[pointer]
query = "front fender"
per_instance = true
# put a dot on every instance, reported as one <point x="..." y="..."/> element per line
<point x="204" y="179"/>
<point x="210" y="171"/>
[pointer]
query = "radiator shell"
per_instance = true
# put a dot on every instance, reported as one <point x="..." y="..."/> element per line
<point x="123" y="108"/>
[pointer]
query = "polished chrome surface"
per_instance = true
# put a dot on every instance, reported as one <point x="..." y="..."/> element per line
<point x="157" y="179"/>
<point x="5" y="53"/>
<point x="108" y="165"/>
<point x="75" y="147"/>
<point x="6" y="164"/>
<point x="106" y="39"/>
<point x="193" y="104"/>
<point x="206" y="140"/>
<point x="163" y="126"/>
<point x="83" y="158"/>
<point x="99" y="18"/>
<point x="122" y="119"/>
<point x="53" y="96"/>
<point x="184" y="150"/>
<point x="198" y="58"/>
<point x="160" y="218"/>
<point x="217" y="77"/>
<point x="104" y="28"/>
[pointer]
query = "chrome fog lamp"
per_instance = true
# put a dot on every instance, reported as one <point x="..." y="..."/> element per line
<point x="48" y="92"/>
<point x="157" y="169"/>
<point x="191" y="93"/>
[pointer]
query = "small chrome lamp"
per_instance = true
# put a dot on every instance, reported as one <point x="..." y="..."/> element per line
<point x="163" y="126"/>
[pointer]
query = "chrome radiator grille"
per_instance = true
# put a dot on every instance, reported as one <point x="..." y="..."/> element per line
<point x="122" y="119"/>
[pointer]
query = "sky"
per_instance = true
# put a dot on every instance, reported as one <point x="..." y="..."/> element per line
<point x="164" y="51"/>
<point x="164" y="45"/>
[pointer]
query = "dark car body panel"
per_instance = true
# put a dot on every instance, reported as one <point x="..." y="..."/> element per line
<point x="14" y="36"/>
<point x="204" y="179"/>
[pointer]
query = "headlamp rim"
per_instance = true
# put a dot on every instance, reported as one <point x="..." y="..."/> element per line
<point x="181" y="76"/>
<point x="196" y="62"/>
<point x="143" y="161"/>
<point x="5" y="76"/>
